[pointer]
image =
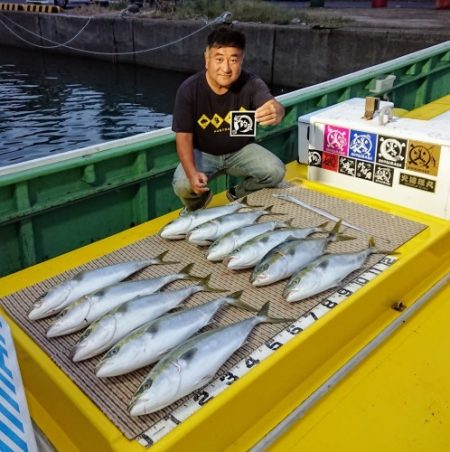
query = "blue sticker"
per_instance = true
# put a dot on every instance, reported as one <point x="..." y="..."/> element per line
<point x="362" y="145"/>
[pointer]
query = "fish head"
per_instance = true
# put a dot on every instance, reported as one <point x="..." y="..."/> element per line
<point x="302" y="285"/>
<point x="49" y="303"/>
<point x="243" y="257"/>
<point x="260" y="275"/>
<point x="71" y="319"/>
<point x="117" y="360"/>
<point x="95" y="338"/>
<point x="158" y="390"/>
<point x="177" y="228"/>
<point x="203" y="234"/>
<point x="218" y="250"/>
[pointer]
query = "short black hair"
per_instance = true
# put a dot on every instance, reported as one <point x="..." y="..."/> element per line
<point x="226" y="37"/>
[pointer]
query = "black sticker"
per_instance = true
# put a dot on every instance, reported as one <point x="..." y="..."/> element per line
<point x="383" y="175"/>
<point x="421" y="183"/>
<point x="315" y="158"/>
<point x="391" y="151"/>
<point x="347" y="166"/>
<point x="364" y="170"/>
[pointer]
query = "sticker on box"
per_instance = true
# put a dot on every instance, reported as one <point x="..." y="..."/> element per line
<point x="421" y="183"/>
<point x="423" y="157"/>
<point x="391" y="151"/>
<point x="362" y="145"/>
<point x="330" y="162"/>
<point x="383" y="175"/>
<point x="336" y="140"/>
<point x="347" y="166"/>
<point x="364" y="170"/>
<point x="315" y="158"/>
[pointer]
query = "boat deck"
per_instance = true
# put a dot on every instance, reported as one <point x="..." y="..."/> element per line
<point x="399" y="395"/>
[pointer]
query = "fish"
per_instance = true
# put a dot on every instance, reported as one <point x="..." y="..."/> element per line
<point x="178" y="228"/>
<point x="87" y="282"/>
<point x="323" y="213"/>
<point x="116" y="324"/>
<point x="210" y="231"/>
<point x="150" y="342"/>
<point x="251" y="253"/>
<point x="91" y="307"/>
<point x="226" y="244"/>
<point x="193" y="364"/>
<point x="326" y="272"/>
<point x="289" y="257"/>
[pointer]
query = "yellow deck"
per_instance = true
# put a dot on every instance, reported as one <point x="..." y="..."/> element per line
<point x="397" y="399"/>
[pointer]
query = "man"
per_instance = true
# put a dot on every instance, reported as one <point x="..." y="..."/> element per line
<point x="201" y="121"/>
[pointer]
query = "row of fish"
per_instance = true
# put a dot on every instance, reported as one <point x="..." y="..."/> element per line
<point x="131" y="320"/>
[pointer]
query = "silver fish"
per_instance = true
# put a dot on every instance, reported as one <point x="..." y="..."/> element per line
<point x="206" y="233"/>
<point x="192" y="364"/>
<point x="178" y="228"/>
<point x="149" y="343"/>
<point x="87" y="282"/>
<point x="90" y="308"/>
<point x="322" y="212"/>
<point x="326" y="272"/>
<point x="291" y="256"/>
<point x="116" y="324"/>
<point x="251" y="253"/>
<point x="226" y="244"/>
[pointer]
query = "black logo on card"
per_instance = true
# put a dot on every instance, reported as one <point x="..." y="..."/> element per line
<point x="347" y="166"/>
<point x="243" y="124"/>
<point x="364" y="170"/>
<point x="383" y="175"/>
<point x="391" y="151"/>
<point x="315" y="158"/>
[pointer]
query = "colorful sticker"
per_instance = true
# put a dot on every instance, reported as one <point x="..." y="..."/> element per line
<point x="336" y="140"/>
<point x="421" y="183"/>
<point x="347" y="166"/>
<point x="423" y="157"/>
<point x="362" y="145"/>
<point x="330" y="162"/>
<point x="315" y="158"/>
<point x="383" y="175"/>
<point x="364" y="170"/>
<point x="391" y="151"/>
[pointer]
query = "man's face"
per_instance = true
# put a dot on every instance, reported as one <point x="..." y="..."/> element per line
<point x="223" y="66"/>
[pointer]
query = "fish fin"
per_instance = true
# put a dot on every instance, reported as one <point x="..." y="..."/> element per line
<point x="204" y="282"/>
<point x="322" y="227"/>
<point x="343" y="238"/>
<point x="264" y="313"/>
<point x="160" y="259"/>
<point x="287" y="224"/>
<point x="235" y="300"/>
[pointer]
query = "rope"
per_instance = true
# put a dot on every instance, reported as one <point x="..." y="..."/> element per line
<point x="92" y="52"/>
<point x="42" y="37"/>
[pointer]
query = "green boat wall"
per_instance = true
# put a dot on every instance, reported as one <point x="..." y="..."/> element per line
<point x="55" y="204"/>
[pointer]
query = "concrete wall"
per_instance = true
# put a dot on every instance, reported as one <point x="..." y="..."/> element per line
<point x="283" y="55"/>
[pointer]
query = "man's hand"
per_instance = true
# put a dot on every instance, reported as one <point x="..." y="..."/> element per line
<point x="270" y="113"/>
<point x="198" y="182"/>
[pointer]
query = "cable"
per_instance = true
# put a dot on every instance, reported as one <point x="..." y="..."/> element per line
<point x="42" y="37"/>
<point x="219" y="19"/>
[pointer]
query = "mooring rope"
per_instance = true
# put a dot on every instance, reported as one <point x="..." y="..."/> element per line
<point x="218" y="19"/>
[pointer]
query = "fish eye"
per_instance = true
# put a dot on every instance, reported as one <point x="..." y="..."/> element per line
<point x="113" y="352"/>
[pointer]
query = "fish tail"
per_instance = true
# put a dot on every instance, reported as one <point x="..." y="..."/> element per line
<point x="336" y="236"/>
<point x="287" y="224"/>
<point x="268" y="211"/>
<point x="374" y="250"/>
<point x="323" y="227"/>
<point x="263" y="314"/>
<point x="159" y="259"/>
<point x="246" y="203"/>
<point x="235" y="300"/>
<point x="185" y="272"/>
<point x="204" y="284"/>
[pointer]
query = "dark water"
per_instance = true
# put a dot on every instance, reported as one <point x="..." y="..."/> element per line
<point x="51" y="104"/>
<point x="54" y="103"/>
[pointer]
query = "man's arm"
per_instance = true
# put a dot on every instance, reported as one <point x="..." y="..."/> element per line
<point x="270" y="113"/>
<point x="185" y="150"/>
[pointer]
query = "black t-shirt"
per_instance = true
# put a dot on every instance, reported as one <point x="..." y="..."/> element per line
<point x="205" y="114"/>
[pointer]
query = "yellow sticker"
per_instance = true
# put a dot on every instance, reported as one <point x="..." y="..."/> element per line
<point x="423" y="157"/>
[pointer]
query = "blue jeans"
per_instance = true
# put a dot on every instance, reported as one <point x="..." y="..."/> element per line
<point x="259" y="167"/>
